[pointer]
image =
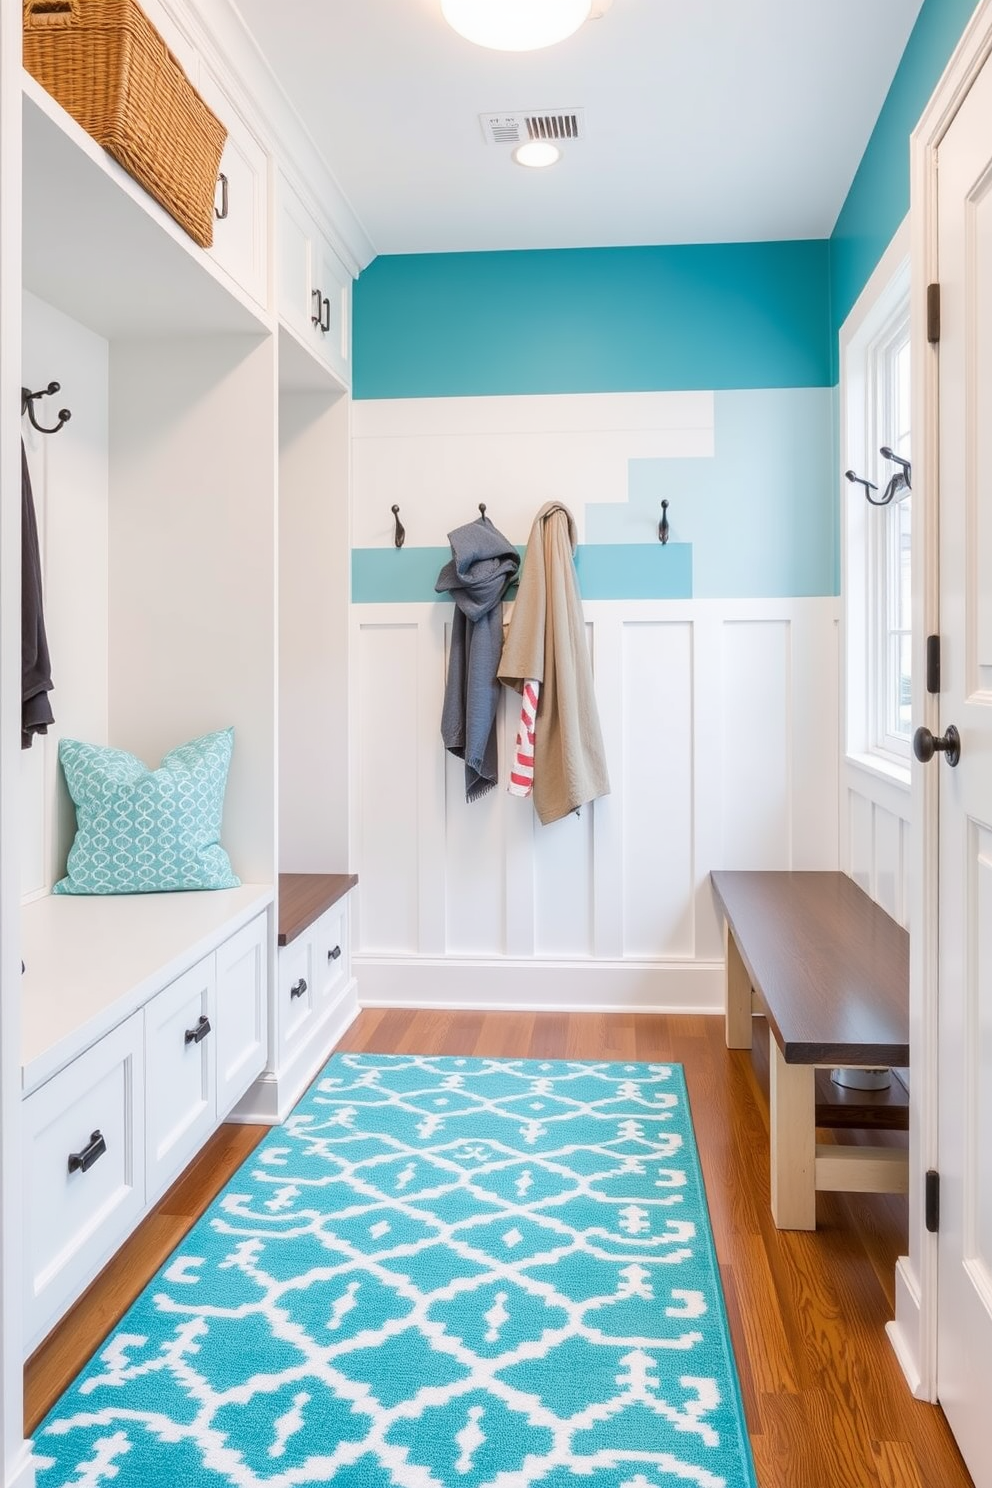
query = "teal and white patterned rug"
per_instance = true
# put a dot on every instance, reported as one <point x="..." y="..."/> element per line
<point x="438" y="1272"/>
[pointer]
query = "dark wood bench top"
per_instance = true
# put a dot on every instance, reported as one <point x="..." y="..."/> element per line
<point x="829" y="966"/>
<point x="303" y="898"/>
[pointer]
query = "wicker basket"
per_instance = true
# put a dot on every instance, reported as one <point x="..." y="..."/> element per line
<point x="105" y="63"/>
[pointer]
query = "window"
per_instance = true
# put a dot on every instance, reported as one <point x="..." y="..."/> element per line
<point x="890" y="543"/>
<point x="876" y="413"/>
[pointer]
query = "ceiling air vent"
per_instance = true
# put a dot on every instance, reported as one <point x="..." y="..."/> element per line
<point x="549" y="124"/>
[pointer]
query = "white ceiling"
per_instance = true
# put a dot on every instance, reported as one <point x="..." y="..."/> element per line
<point x="708" y="121"/>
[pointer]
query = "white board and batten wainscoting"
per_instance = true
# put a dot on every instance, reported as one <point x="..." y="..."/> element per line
<point x="193" y="523"/>
<point x="481" y="906"/>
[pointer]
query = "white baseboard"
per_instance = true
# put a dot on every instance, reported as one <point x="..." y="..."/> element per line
<point x="461" y="984"/>
<point x="20" y="1472"/>
<point x="904" y="1331"/>
<point x="274" y="1094"/>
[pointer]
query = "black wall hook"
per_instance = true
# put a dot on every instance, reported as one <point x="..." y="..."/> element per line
<point x="663" y="528"/>
<point x="482" y="509"/>
<point x="27" y="406"/>
<point x="901" y="481"/>
<point x="400" y="536"/>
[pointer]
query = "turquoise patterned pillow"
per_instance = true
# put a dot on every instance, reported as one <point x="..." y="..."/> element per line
<point x="141" y="831"/>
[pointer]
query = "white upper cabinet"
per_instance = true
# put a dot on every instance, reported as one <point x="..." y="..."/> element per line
<point x="241" y="202"/>
<point x="333" y="283"/>
<point x="314" y="287"/>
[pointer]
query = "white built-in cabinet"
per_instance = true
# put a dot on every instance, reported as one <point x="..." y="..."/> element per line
<point x="314" y="998"/>
<point x="314" y="285"/>
<point x="194" y="523"/>
<point x="167" y="1053"/>
<point x="241" y="220"/>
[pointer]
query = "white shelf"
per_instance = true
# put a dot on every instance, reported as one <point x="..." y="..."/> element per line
<point x="90" y="961"/>
<point x="98" y="247"/>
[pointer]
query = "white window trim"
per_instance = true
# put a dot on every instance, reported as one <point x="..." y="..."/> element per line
<point x="876" y="314"/>
<point x="880" y="740"/>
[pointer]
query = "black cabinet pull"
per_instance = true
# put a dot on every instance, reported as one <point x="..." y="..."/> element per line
<point x="325" y="324"/>
<point x="221" y="212"/>
<point x="333" y="955"/>
<point x="317" y="320"/>
<point x="299" y="988"/>
<point x="195" y="1035"/>
<point x="81" y="1162"/>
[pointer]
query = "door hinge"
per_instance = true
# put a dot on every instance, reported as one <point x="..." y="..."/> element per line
<point x="932" y="1201"/>
<point x="933" y="663"/>
<point x="933" y="313"/>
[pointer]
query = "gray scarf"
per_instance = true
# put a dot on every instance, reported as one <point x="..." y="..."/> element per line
<point x="482" y="567"/>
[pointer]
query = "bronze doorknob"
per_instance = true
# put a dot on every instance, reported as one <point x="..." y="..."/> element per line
<point x="926" y="745"/>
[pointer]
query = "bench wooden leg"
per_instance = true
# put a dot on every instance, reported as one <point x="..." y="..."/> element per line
<point x="792" y="1117"/>
<point x="862" y="1169"/>
<point x="737" y="997"/>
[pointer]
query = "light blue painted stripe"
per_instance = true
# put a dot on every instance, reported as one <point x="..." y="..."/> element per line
<point x="634" y="571"/>
<point x="878" y="199"/>
<point x="614" y="571"/>
<point x="396" y="575"/>
<point x="714" y="315"/>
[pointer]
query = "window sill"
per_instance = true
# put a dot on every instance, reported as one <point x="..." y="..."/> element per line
<point x="882" y="767"/>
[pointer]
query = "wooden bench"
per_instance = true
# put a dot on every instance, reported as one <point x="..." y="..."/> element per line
<point x="830" y="971"/>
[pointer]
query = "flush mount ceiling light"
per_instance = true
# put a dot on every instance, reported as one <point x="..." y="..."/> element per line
<point x="515" y="25"/>
<point x="537" y="154"/>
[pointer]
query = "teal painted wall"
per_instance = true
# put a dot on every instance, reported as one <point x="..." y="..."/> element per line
<point x="725" y="315"/>
<point x="879" y="196"/>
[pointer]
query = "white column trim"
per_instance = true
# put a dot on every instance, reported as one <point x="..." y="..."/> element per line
<point x="16" y="1465"/>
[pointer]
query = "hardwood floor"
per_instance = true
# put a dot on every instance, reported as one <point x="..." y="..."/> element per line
<point x="827" y="1405"/>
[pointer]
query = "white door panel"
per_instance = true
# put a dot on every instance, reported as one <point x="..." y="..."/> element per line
<point x="964" y="1348"/>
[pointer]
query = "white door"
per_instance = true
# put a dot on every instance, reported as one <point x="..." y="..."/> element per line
<point x="964" y="1349"/>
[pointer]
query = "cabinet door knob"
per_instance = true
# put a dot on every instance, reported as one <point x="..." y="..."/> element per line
<point x="81" y="1162"/>
<point x="197" y="1034"/>
<point x="325" y="323"/>
<point x="316" y="320"/>
<point x="298" y="989"/>
<point x="221" y="212"/>
<point x="333" y="955"/>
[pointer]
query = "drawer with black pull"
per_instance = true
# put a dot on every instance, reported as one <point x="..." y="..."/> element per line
<point x="84" y="1179"/>
<point x="297" y="993"/>
<point x="330" y="937"/>
<point x="180" y="1073"/>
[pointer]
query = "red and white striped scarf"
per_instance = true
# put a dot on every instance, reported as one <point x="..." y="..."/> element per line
<point x="522" y="769"/>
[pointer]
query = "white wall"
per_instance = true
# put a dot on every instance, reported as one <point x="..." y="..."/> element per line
<point x="719" y="718"/>
<point x="69" y="481"/>
<point x="193" y="554"/>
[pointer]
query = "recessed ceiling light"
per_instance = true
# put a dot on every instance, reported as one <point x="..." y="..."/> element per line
<point x="515" y="25"/>
<point x="537" y="153"/>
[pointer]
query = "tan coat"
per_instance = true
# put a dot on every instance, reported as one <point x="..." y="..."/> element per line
<point x="546" y="641"/>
